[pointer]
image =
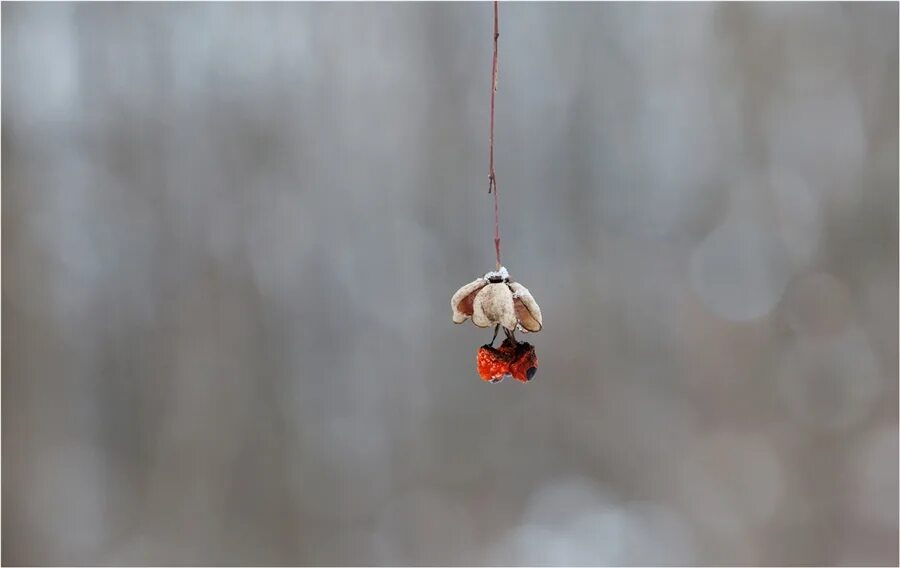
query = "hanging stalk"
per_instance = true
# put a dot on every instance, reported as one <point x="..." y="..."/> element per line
<point x="492" y="175"/>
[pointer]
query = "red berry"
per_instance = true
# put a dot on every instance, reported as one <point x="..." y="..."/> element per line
<point x="524" y="364"/>
<point x="492" y="364"/>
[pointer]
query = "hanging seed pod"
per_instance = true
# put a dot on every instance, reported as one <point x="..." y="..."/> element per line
<point x="494" y="300"/>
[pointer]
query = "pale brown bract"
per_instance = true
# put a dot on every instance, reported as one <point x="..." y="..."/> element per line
<point x="495" y="300"/>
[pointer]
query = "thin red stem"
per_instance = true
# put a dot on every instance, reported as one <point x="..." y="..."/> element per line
<point x="492" y="176"/>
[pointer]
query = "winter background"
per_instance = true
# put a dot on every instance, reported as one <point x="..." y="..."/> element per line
<point x="231" y="232"/>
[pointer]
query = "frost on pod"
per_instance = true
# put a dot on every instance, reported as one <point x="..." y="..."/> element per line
<point x="496" y="300"/>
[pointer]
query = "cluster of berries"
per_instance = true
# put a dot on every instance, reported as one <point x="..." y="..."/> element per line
<point x="516" y="359"/>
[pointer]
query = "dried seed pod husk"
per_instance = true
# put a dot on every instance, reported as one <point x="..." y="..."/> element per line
<point x="495" y="300"/>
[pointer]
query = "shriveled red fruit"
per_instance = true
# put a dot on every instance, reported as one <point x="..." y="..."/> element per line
<point x="524" y="364"/>
<point x="492" y="364"/>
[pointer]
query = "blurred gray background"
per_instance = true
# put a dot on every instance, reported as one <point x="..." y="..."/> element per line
<point x="231" y="232"/>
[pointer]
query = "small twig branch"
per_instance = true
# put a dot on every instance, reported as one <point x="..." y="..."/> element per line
<point x="492" y="176"/>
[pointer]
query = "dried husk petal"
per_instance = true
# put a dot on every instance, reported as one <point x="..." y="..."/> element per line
<point x="527" y="310"/>
<point x="494" y="305"/>
<point x="463" y="300"/>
